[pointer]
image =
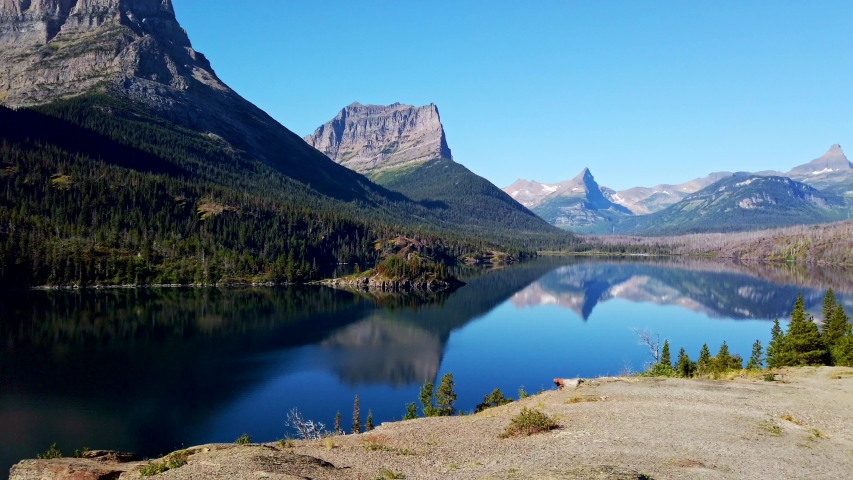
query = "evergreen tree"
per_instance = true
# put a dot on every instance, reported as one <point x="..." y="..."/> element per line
<point x="368" y="426"/>
<point x="776" y="348"/>
<point x="755" y="360"/>
<point x="723" y="360"/>
<point x="803" y="345"/>
<point x="426" y="399"/>
<point x="356" y="417"/>
<point x="704" y="364"/>
<point x="445" y="397"/>
<point x="411" y="411"/>
<point x="835" y="327"/>
<point x="837" y="337"/>
<point x="664" y="354"/>
<point x="495" y="399"/>
<point x="684" y="367"/>
<point x="842" y="353"/>
<point x="338" y="430"/>
<point x="829" y="303"/>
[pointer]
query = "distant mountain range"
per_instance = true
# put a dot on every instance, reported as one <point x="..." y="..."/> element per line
<point x="818" y="191"/>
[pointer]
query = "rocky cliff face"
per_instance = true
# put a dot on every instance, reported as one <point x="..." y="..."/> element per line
<point x="136" y="51"/>
<point x="372" y="138"/>
<point x="60" y="48"/>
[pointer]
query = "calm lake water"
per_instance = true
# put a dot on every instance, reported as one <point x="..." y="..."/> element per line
<point x="153" y="370"/>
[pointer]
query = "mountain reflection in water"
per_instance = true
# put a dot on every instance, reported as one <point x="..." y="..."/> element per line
<point x="739" y="292"/>
<point x="152" y="370"/>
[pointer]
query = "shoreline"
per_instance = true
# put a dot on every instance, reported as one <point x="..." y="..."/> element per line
<point x="607" y="428"/>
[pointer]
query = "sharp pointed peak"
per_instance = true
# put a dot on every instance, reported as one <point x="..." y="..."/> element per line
<point x="835" y="149"/>
<point x="585" y="174"/>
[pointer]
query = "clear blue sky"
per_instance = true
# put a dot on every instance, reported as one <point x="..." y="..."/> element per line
<point x="641" y="92"/>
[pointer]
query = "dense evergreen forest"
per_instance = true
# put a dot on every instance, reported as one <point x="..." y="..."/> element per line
<point x="96" y="192"/>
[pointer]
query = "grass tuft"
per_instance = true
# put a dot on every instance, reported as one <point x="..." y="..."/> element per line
<point x="791" y="419"/>
<point x="386" y="474"/>
<point x="770" y="427"/>
<point x="244" y="439"/>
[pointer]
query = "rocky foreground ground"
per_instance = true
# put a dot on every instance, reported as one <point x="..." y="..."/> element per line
<point x="800" y="426"/>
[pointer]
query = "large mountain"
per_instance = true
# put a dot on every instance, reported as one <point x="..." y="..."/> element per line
<point x="576" y="203"/>
<point x="136" y="50"/>
<point x="125" y="159"/>
<point x="372" y="138"/>
<point x="404" y="148"/>
<point x="831" y="172"/>
<point x="740" y="202"/>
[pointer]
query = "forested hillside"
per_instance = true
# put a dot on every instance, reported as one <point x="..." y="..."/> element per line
<point x="462" y="197"/>
<point x="97" y="192"/>
<point x="825" y="244"/>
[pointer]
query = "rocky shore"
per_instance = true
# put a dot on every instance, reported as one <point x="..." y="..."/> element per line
<point x="797" y="426"/>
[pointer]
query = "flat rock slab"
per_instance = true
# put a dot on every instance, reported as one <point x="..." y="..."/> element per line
<point x="69" y="469"/>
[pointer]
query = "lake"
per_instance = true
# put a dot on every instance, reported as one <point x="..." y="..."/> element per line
<point x="154" y="370"/>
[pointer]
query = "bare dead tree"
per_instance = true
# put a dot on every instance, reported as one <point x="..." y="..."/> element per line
<point x="305" y="429"/>
<point x="650" y="340"/>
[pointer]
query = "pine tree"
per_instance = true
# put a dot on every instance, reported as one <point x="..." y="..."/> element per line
<point x="411" y="411"/>
<point x="368" y="426"/>
<point x="495" y="399"/>
<point x="829" y="303"/>
<point x="445" y="397"/>
<point x="837" y="336"/>
<point x="684" y="368"/>
<point x="802" y="341"/>
<point x="723" y="360"/>
<point x="704" y="363"/>
<point x="835" y="327"/>
<point x="776" y="348"/>
<point x="426" y="399"/>
<point x="338" y="430"/>
<point x="755" y="361"/>
<point x="356" y="417"/>
<point x="664" y="354"/>
<point x="842" y="353"/>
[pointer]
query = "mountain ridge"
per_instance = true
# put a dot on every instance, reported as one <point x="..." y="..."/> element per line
<point x="832" y="172"/>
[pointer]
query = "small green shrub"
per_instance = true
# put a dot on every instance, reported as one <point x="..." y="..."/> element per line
<point x="176" y="460"/>
<point x="529" y="422"/>
<point x="243" y="439"/>
<point x="411" y="411"/>
<point x="51" y="453"/>
<point x="80" y="453"/>
<point x="152" y="468"/>
<point x="386" y="474"/>
<point x="769" y="377"/>
<point x="522" y="393"/>
<point x="659" y="370"/>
